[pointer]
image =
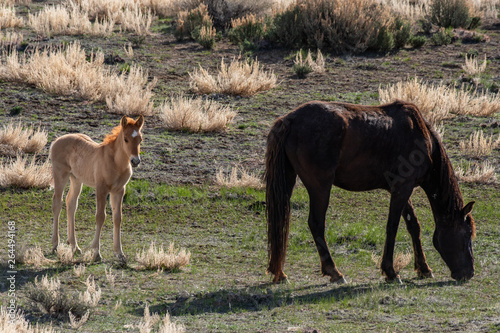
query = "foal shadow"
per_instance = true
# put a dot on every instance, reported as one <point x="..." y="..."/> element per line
<point x="264" y="296"/>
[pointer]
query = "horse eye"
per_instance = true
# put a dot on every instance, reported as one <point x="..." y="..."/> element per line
<point x="126" y="140"/>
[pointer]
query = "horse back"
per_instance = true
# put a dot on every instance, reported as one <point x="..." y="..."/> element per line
<point x="357" y="146"/>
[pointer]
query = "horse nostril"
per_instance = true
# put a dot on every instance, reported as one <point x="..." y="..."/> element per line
<point x="135" y="161"/>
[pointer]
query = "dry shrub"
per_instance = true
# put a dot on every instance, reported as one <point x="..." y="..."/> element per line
<point x="79" y="270"/>
<point x="472" y="67"/>
<point x="28" y="140"/>
<point x="166" y="326"/>
<point x="76" y="323"/>
<point x="196" y="115"/>
<point x="110" y="277"/>
<point x="438" y="102"/>
<point x="317" y="66"/>
<point x="239" y="78"/>
<point x="238" y="177"/>
<point x="64" y="254"/>
<point x="480" y="173"/>
<point x="451" y="13"/>
<point x="479" y="145"/>
<point x="400" y="261"/>
<point x="129" y="51"/>
<point x="66" y="71"/>
<point x="412" y="10"/>
<point x="32" y="256"/>
<point x="58" y="20"/>
<point x="336" y="25"/>
<point x="16" y="323"/>
<point x="8" y="18"/>
<point x="135" y="20"/>
<point x="50" y="297"/>
<point x="20" y="173"/>
<point x="157" y="258"/>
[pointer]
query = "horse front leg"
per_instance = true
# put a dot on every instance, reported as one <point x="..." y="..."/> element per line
<point x="319" y="199"/>
<point x="398" y="201"/>
<point x="116" y="204"/>
<point x="100" y="216"/>
<point x="60" y="181"/>
<point x="413" y="227"/>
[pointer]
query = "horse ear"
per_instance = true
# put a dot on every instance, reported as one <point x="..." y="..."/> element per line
<point x="140" y="121"/>
<point x="468" y="208"/>
<point x="124" y="122"/>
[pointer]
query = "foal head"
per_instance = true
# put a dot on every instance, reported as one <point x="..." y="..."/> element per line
<point x="454" y="244"/>
<point x="132" y="137"/>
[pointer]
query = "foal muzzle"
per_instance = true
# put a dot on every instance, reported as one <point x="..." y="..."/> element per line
<point x="135" y="160"/>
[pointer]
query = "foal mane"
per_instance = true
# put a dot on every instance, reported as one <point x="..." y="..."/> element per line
<point x="111" y="137"/>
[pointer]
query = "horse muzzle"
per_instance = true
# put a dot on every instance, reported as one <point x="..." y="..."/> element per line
<point x="135" y="160"/>
<point x="462" y="275"/>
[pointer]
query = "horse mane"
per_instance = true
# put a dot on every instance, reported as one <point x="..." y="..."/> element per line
<point x="111" y="137"/>
<point x="451" y="197"/>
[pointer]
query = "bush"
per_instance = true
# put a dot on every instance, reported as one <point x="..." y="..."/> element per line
<point x="384" y="41"/>
<point x="247" y="31"/>
<point x="451" y="13"/>
<point x="335" y="25"/>
<point x="224" y="11"/>
<point x="301" y="70"/>
<point x="206" y="37"/>
<point x="402" y="32"/>
<point x="442" y="37"/>
<point x="418" y="41"/>
<point x="189" y="23"/>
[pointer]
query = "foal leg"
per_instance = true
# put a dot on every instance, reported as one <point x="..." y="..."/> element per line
<point x="75" y="189"/>
<point x="398" y="201"/>
<point x="319" y="197"/>
<point x="60" y="180"/>
<point x="413" y="227"/>
<point x="116" y="204"/>
<point x="100" y="215"/>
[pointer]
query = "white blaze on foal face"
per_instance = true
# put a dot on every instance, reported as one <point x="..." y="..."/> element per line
<point x="134" y="134"/>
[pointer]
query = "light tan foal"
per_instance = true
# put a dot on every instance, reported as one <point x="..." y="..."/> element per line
<point x="107" y="167"/>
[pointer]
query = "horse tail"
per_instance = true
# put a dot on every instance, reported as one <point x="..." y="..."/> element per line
<point x="280" y="179"/>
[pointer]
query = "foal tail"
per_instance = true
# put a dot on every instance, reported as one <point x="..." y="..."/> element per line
<point x="280" y="180"/>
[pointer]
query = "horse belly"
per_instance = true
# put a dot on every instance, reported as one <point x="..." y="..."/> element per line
<point x="360" y="176"/>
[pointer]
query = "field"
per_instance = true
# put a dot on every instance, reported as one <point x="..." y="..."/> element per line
<point x="173" y="197"/>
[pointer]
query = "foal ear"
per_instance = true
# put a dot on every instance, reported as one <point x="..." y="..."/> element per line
<point x="124" y="121"/>
<point x="468" y="208"/>
<point x="140" y="121"/>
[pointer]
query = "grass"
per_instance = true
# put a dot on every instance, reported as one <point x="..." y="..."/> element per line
<point x="225" y="281"/>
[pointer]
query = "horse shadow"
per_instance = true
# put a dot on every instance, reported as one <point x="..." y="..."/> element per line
<point x="23" y="275"/>
<point x="264" y="297"/>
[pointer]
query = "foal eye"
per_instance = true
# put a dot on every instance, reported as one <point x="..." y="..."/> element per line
<point x="126" y="140"/>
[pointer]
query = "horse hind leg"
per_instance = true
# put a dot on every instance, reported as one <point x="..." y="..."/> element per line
<point x="71" y="206"/>
<point x="60" y="180"/>
<point x="319" y="197"/>
<point x="100" y="216"/>
<point x="413" y="227"/>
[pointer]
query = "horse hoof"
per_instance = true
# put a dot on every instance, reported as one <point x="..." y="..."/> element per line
<point x="97" y="257"/>
<point x="122" y="261"/>
<point x="425" y="275"/>
<point x="396" y="280"/>
<point x="342" y="280"/>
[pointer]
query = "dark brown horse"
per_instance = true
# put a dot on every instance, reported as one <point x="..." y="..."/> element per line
<point x="361" y="148"/>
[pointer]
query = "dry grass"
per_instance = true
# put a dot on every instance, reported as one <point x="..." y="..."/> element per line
<point x="472" y="67"/>
<point x="32" y="256"/>
<point x="438" y="102"/>
<point x="479" y="145"/>
<point x="14" y="322"/>
<point x="79" y="270"/>
<point x="50" y="297"/>
<point x="412" y="10"/>
<point x="480" y="173"/>
<point x="136" y="20"/>
<point x="238" y="177"/>
<point x="59" y="20"/>
<point x="239" y="78"/>
<point x="27" y="140"/>
<point x="317" y="66"/>
<point x="76" y="323"/>
<point x="66" y="71"/>
<point x="158" y="258"/>
<point x="196" y="115"/>
<point x="10" y="39"/>
<point x="8" y="18"/>
<point x="129" y="51"/>
<point x="166" y="326"/>
<point x="23" y="174"/>
<point x="401" y="260"/>
<point x="64" y="254"/>
<point x="110" y="277"/>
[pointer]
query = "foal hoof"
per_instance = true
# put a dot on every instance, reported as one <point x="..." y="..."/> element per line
<point x="97" y="257"/>
<point x="340" y="280"/>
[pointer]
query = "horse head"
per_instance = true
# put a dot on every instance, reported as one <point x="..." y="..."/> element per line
<point x="132" y="138"/>
<point x="454" y="243"/>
